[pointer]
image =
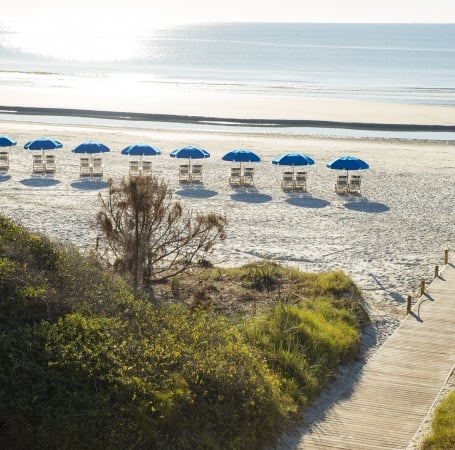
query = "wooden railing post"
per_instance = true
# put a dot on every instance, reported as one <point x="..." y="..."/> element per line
<point x="422" y="287"/>
<point x="436" y="271"/>
<point x="446" y="257"/>
<point x="408" y="306"/>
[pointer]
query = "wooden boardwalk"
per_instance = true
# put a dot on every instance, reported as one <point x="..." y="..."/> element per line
<point x="399" y="384"/>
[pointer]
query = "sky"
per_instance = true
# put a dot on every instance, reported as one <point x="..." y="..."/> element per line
<point x="34" y="14"/>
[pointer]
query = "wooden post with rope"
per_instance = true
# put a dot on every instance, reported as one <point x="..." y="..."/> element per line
<point x="422" y="287"/>
<point x="408" y="306"/>
<point x="436" y="271"/>
<point x="446" y="257"/>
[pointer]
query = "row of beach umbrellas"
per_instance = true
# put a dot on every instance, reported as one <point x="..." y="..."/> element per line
<point x="191" y="152"/>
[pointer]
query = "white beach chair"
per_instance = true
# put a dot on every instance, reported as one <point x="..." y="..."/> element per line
<point x="38" y="165"/>
<point x="354" y="184"/>
<point x="85" y="168"/>
<point x="248" y="176"/>
<point x="196" y="173"/>
<point x="4" y="162"/>
<point x="134" y="168"/>
<point x="146" y="169"/>
<point x="50" y="166"/>
<point x="341" y="185"/>
<point x="184" y="173"/>
<point x="235" y="179"/>
<point x="300" y="181"/>
<point x="287" y="183"/>
<point x="97" y="167"/>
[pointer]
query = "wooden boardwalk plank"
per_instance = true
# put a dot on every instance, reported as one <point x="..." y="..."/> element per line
<point x="399" y="384"/>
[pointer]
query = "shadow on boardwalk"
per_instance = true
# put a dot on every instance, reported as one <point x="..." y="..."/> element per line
<point x="340" y="388"/>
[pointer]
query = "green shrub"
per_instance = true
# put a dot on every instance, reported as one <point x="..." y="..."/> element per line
<point x="84" y="361"/>
<point x="18" y="244"/>
<point x="166" y="379"/>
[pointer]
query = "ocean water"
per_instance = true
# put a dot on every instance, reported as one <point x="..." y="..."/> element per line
<point x="408" y="63"/>
<point x="388" y="62"/>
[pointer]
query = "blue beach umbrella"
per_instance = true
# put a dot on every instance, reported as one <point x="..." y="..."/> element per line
<point x="293" y="159"/>
<point x="140" y="150"/>
<point x="90" y="147"/>
<point x="347" y="163"/>
<point x="5" y="141"/>
<point x="241" y="156"/>
<point x="190" y="152"/>
<point x="43" y="144"/>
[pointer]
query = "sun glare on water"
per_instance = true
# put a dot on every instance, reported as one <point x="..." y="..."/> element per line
<point x="100" y="41"/>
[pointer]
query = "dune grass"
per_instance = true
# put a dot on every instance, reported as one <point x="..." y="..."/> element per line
<point x="442" y="435"/>
<point x="304" y="344"/>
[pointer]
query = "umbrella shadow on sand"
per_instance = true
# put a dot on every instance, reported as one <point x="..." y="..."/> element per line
<point x="250" y="196"/>
<point x="40" y="182"/>
<point x="89" y="185"/>
<point x="306" y="201"/>
<point x="196" y="192"/>
<point x="364" y="205"/>
<point x="4" y="178"/>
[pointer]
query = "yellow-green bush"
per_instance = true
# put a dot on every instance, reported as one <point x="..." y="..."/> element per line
<point x="304" y="344"/>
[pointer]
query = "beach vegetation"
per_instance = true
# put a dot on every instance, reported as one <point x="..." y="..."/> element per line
<point x="442" y="435"/>
<point x="148" y="237"/>
<point x="86" y="360"/>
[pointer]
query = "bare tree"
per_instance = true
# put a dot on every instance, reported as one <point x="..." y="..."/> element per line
<point x="147" y="236"/>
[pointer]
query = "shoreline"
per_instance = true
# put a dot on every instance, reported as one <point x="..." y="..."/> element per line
<point x="214" y="120"/>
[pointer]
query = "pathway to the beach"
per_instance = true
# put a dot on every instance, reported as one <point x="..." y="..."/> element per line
<point x="397" y="387"/>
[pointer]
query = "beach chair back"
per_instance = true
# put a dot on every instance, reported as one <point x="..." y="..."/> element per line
<point x="300" y="180"/>
<point x="146" y="168"/>
<point x="85" y="169"/>
<point x="184" y="172"/>
<point x="341" y="185"/>
<point x="354" y="183"/>
<point x="38" y="165"/>
<point x="4" y="162"/>
<point x="196" y="172"/>
<point x="50" y="166"/>
<point x="97" y="169"/>
<point x="248" y="176"/>
<point x="134" y="168"/>
<point x="287" y="183"/>
<point x="235" y="179"/>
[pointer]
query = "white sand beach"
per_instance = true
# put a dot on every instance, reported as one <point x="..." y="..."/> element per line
<point x="388" y="238"/>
